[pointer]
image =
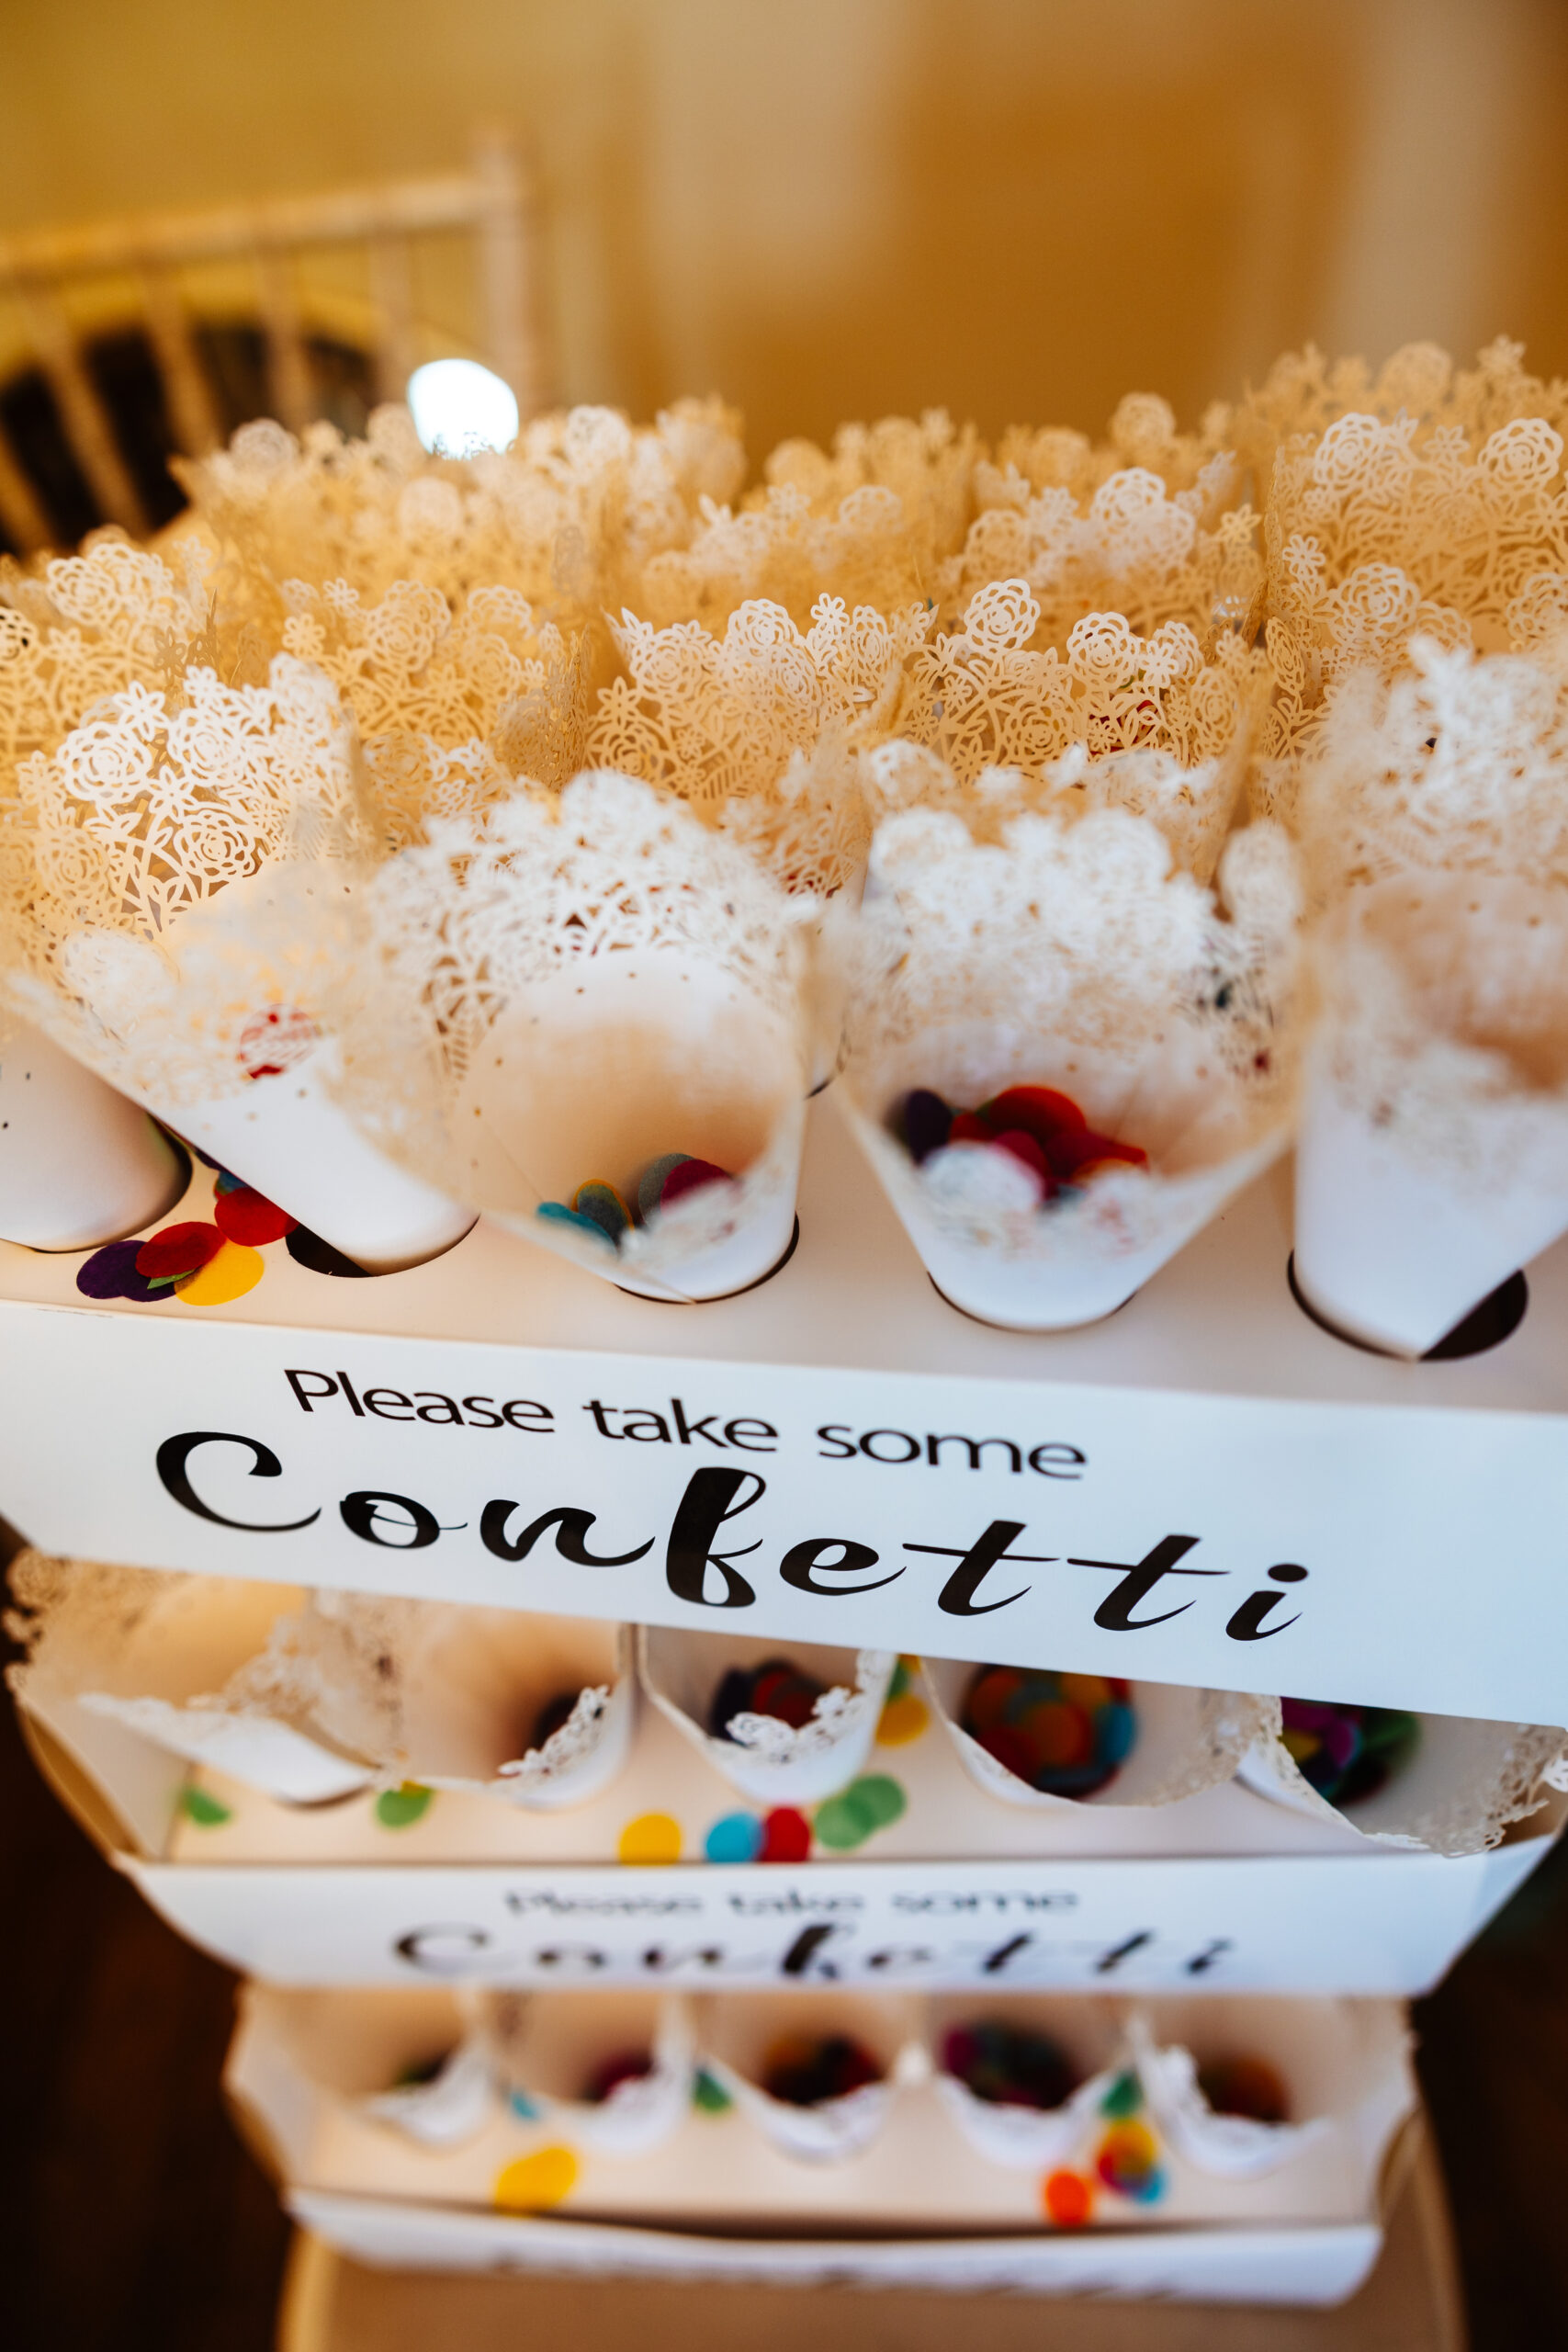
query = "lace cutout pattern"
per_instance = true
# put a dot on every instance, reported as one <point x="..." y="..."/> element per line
<point x="461" y="930"/>
<point x="985" y="698"/>
<point x="141" y="821"/>
<point x="1167" y="1024"/>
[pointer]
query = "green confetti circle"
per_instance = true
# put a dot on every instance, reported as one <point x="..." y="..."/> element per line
<point x="849" y="1819"/>
<point x="709" y="2096"/>
<point x="398" y="1808"/>
<point x="207" y="1811"/>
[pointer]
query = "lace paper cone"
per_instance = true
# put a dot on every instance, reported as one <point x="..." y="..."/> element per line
<point x="176" y="879"/>
<point x="1070" y="957"/>
<point x="1029" y="2139"/>
<point x="79" y="1165"/>
<point x="1381" y="530"/>
<point x="765" y="1759"/>
<point x="757" y="733"/>
<point x="549" y="2048"/>
<point x="1316" y="2050"/>
<point x="568" y="516"/>
<point x="1158" y="727"/>
<point x="1466" y="1781"/>
<point x="178" y="1658"/>
<point x="1433" y="1155"/>
<point x="1132" y="546"/>
<point x="477" y="1682"/>
<point x="1186" y="1740"/>
<point x="573" y="991"/>
<point x="738" y="2033"/>
<point x="452" y="2106"/>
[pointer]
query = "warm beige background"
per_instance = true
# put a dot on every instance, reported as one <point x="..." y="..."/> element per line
<point x="836" y="208"/>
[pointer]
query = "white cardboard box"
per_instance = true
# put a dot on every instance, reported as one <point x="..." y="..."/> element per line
<point x="1224" y="1890"/>
<point x="919" y="2206"/>
<point x="1112" y="1500"/>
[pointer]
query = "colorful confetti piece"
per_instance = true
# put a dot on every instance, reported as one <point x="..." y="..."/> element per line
<point x="400" y="1808"/>
<point x="737" y="1838"/>
<point x="867" y="1805"/>
<point x="542" y="2178"/>
<point x="652" y="1838"/>
<point x="234" y="1271"/>
<point x="201" y="1807"/>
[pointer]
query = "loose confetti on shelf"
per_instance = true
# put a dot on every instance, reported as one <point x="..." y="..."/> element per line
<point x="401" y="1808"/>
<point x="529" y="2183"/>
<point x="652" y="1838"/>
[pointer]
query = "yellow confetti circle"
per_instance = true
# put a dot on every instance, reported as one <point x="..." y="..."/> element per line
<point x="543" y="2178"/>
<point x="235" y="1269"/>
<point x="652" y="1838"/>
<point x="902" y="1720"/>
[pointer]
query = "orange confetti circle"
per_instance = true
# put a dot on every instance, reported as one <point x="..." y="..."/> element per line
<point x="652" y="1838"/>
<point x="231" y="1273"/>
<point x="902" y="1720"/>
<point x="1069" y="2200"/>
<point x="529" y="2182"/>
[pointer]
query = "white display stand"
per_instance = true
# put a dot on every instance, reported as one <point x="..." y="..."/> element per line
<point x="1224" y="1892"/>
<point x="1207" y="1489"/>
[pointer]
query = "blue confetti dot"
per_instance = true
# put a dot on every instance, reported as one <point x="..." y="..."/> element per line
<point x="737" y="1838"/>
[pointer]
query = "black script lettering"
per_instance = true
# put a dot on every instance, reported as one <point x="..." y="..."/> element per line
<point x="433" y="1397"/>
<point x="994" y="1961"/>
<point x="801" y="1959"/>
<point x="800" y="1562"/>
<point x="1247" y="1625"/>
<point x="386" y="1404"/>
<point x="833" y="1435"/>
<point x="571" y="1529"/>
<point x="1057" y="1454"/>
<point x="712" y="1496"/>
<point x="645" y="1427"/>
<point x="686" y="1431"/>
<point x="347" y="1387"/>
<point x="957" y="1595"/>
<point x="584" y="1956"/>
<point x="482" y="1412"/>
<point x="1202" y="1961"/>
<point x="660" y="1959"/>
<point x="311" y="1397"/>
<point x="911" y="1444"/>
<point x="1109" y="1961"/>
<point x="443" y="1951"/>
<point x="976" y="1447"/>
<point x="600" y="1423"/>
<point x="533" y="1417"/>
<point x="749" y="1436"/>
<point x="1114" y="1614"/>
<point x="362" y="1518"/>
<point x="900" y="1956"/>
<point x="175" y="1453"/>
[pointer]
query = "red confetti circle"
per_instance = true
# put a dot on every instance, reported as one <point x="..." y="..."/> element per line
<point x="251" y="1218"/>
<point x="787" y="1836"/>
<point x="178" y="1250"/>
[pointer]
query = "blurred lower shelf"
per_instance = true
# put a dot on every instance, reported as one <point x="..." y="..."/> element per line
<point x="1411" y="2303"/>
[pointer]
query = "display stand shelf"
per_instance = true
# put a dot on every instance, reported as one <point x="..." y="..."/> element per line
<point x="1141" y="1497"/>
<point x="1410" y="2303"/>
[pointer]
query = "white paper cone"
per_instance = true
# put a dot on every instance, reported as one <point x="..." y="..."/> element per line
<point x="618" y="1060"/>
<point x="455" y="2106"/>
<point x="1071" y="1264"/>
<point x="1028" y="2139"/>
<point x="190" y="1639"/>
<point x="1316" y="2054"/>
<point x="1392" y="1250"/>
<point x="1187" y="1740"/>
<point x="1467" y="1780"/>
<point x="549" y="2045"/>
<point x="1433" y="1155"/>
<point x="770" y="1763"/>
<point x="477" y="1685"/>
<point x="79" y="1164"/>
<point x="736" y="2033"/>
<point x="287" y="1138"/>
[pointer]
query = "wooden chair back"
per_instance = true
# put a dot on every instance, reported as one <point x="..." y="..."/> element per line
<point x="492" y="201"/>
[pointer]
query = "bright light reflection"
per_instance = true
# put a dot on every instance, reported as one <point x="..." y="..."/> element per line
<point x="459" y="407"/>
